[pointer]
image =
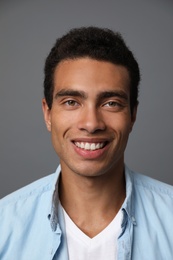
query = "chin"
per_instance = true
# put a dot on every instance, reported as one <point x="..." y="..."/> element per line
<point x="91" y="172"/>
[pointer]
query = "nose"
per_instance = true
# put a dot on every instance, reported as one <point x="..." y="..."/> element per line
<point x="91" y="120"/>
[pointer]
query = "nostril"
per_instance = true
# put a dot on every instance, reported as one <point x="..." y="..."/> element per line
<point x="91" y="120"/>
<point x="92" y="126"/>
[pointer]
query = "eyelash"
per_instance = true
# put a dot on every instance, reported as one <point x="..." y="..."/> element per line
<point x="71" y="102"/>
<point x="112" y="104"/>
<point x="109" y="104"/>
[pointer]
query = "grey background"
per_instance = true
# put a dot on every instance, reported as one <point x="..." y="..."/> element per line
<point x="28" y="29"/>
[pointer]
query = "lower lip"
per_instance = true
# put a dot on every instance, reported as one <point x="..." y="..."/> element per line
<point x="89" y="154"/>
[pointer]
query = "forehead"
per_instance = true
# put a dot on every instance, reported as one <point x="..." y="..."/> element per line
<point x="89" y="74"/>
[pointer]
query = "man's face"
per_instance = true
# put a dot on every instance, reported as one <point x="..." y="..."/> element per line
<point x="90" y="119"/>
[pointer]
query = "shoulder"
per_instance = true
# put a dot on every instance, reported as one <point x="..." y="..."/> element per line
<point x="23" y="215"/>
<point x="151" y="193"/>
<point x="152" y="203"/>
<point x="147" y="183"/>
<point x="34" y="189"/>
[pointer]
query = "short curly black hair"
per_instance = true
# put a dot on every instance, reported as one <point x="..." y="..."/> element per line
<point x="96" y="43"/>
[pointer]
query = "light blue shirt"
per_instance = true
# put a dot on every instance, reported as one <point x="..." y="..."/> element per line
<point x="32" y="228"/>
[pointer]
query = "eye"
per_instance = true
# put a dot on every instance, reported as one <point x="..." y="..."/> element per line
<point x="111" y="104"/>
<point x="71" y="103"/>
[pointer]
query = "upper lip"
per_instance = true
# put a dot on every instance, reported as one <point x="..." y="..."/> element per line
<point x="91" y="140"/>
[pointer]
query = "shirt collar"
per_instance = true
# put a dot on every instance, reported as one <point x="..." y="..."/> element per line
<point x="54" y="202"/>
<point x="128" y="205"/>
<point x="55" y="212"/>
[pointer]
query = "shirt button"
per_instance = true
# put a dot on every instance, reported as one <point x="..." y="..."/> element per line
<point x="133" y="220"/>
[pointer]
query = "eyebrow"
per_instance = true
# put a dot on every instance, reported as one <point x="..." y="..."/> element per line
<point x="82" y="94"/>
<point x="72" y="93"/>
<point x="109" y="94"/>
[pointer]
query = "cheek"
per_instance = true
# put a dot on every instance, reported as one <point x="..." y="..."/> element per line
<point x="60" y="127"/>
<point x="120" y="124"/>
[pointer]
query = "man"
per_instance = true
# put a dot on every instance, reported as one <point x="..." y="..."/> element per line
<point x="93" y="207"/>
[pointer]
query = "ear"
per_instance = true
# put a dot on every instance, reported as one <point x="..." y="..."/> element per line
<point x="133" y="117"/>
<point x="47" y="114"/>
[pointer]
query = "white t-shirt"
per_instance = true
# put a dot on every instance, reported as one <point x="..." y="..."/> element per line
<point x="102" y="246"/>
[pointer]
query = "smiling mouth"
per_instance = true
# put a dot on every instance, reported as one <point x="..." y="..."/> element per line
<point x="90" y="146"/>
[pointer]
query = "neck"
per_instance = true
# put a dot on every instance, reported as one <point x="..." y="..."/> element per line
<point x="92" y="202"/>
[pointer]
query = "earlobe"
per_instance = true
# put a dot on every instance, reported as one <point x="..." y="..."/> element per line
<point x="46" y="113"/>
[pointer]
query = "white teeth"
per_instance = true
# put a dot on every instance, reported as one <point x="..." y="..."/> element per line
<point x="93" y="146"/>
<point x="98" y="146"/>
<point x="82" y="145"/>
<point x="89" y="146"/>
